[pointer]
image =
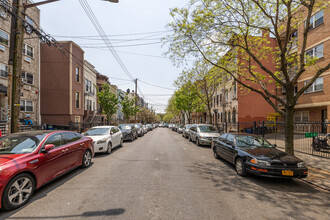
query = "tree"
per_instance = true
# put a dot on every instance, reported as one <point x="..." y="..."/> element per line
<point x="185" y="98"/>
<point x="211" y="29"/>
<point x="199" y="86"/>
<point x="108" y="101"/>
<point x="145" y="116"/>
<point x="128" y="107"/>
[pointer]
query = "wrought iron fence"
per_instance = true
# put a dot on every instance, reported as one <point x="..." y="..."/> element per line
<point x="274" y="132"/>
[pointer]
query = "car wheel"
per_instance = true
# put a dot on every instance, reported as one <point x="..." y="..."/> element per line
<point x="121" y="143"/>
<point x="189" y="139"/>
<point x="132" y="138"/>
<point x="18" y="191"/>
<point x="109" y="148"/>
<point x="197" y="142"/>
<point x="240" y="168"/>
<point x="87" y="159"/>
<point x="216" y="156"/>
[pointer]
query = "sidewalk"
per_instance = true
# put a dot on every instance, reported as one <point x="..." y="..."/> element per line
<point x="318" y="167"/>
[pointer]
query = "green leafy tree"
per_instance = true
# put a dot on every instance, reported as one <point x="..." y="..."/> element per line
<point x="128" y="107"/>
<point x="108" y="101"/>
<point x="221" y="31"/>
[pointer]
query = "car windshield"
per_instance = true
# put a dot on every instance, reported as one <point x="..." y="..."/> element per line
<point x="19" y="144"/>
<point x="181" y="126"/>
<point x="252" y="142"/>
<point x="125" y="127"/>
<point x="207" y="129"/>
<point x="97" y="131"/>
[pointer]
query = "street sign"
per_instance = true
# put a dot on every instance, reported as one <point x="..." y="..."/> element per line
<point x="311" y="134"/>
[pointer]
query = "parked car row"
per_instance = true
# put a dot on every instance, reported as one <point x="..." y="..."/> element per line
<point x="28" y="160"/>
<point x="249" y="153"/>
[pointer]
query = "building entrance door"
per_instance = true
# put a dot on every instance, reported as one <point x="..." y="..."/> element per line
<point x="324" y="120"/>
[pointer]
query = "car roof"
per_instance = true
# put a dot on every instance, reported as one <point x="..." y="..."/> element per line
<point x="104" y="126"/>
<point x="33" y="133"/>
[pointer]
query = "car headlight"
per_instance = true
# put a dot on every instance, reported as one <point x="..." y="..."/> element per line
<point x="260" y="162"/>
<point x="102" y="141"/>
<point x="202" y="136"/>
<point x="301" y="164"/>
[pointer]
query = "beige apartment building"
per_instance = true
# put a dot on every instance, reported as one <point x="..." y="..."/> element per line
<point x="90" y="88"/>
<point x="29" y="99"/>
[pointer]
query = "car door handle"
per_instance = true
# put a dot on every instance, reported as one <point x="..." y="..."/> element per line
<point x="63" y="151"/>
<point x="82" y="144"/>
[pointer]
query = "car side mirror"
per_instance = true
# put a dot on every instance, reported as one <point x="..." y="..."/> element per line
<point x="275" y="145"/>
<point x="111" y="132"/>
<point x="48" y="147"/>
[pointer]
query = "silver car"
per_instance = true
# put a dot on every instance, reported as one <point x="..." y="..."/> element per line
<point x="185" y="131"/>
<point x="202" y="134"/>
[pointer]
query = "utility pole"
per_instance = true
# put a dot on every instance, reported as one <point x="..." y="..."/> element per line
<point x="15" y="60"/>
<point x="135" y="96"/>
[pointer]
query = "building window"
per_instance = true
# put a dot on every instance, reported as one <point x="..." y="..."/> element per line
<point x="229" y="117"/>
<point x="88" y="86"/>
<point x="77" y="100"/>
<point x="221" y="117"/>
<point x="3" y="12"/>
<point x="220" y="98"/>
<point x="316" y="86"/>
<point x="301" y="116"/>
<point x="217" y="100"/>
<point x="77" y="74"/>
<point x="28" y="50"/>
<point x="27" y="77"/>
<point x="26" y="106"/>
<point x="201" y="119"/>
<point x="234" y="116"/>
<point x="315" y="20"/>
<point x="4" y="38"/>
<point x="3" y="70"/>
<point x="315" y="52"/>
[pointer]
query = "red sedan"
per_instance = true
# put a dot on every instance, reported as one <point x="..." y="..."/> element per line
<point x="29" y="160"/>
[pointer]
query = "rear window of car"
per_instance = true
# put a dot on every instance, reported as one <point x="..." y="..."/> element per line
<point x="70" y="137"/>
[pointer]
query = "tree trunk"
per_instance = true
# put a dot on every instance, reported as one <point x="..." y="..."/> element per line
<point x="289" y="131"/>
<point x="210" y="115"/>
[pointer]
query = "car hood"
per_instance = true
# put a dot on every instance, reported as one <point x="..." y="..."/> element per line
<point x="98" y="137"/>
<point x="272" y="154"/>
<point x="126" y="131"/>
<point x="213" y="135"/>
<point x="7" y="158"/>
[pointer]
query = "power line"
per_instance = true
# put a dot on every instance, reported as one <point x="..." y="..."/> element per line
<point x="113" y="35"/>
<point x="102" y="34"/>
<point x="128" y="45"/>
<point x="156" y="85"/>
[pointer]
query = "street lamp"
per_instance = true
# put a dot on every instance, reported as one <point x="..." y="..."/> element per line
<point x="15" y="58"/>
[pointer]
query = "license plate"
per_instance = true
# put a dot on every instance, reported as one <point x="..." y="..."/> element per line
<point x="287" y="173"/>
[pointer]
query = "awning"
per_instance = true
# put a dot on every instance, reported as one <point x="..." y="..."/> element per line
<point x="3" y="89"/>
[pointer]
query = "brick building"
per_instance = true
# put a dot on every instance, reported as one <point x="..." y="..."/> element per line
<point x="314" y="104"/>
<point x="62" y="84"/>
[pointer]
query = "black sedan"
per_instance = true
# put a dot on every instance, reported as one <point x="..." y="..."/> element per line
<point x="129" y="131"/>
<point x="253" y="154"/>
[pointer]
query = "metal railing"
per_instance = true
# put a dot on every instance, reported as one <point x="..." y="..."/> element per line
<point x="274" y="132"/>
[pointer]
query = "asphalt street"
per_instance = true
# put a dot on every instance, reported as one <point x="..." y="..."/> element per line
<point x="164" y="176"/>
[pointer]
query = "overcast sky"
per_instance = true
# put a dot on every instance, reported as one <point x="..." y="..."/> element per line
<point x="129" y="22"/>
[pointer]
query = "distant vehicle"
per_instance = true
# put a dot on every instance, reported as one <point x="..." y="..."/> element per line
<point x="185" y="131"/>
<point x="129" y="132"/>
<point x="253" y="154"/>
<point x="139" y="129"/>
<point x="31" y="159"/>
<point x="165" y="125"/>
<point x="170" y="126"/>
<point x="180" y="129"/>
<point x="149" y="127"/>
<point x="161" y="125"/>
<point x="105" y="138"/>
<point x="202" y="134"/>
<point x="144" y="128"/>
